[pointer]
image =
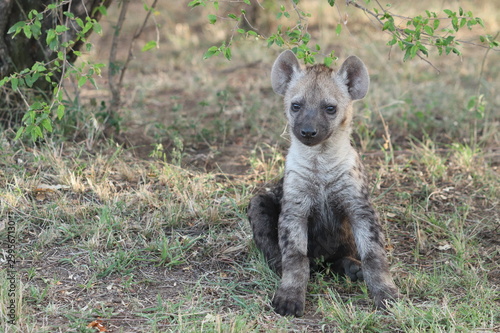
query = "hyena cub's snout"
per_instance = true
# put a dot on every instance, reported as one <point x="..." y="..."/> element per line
<point x="308" y="131"/>
<point x="309" y="127"/>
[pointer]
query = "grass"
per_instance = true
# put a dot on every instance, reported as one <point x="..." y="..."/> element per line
<point x="147" y="229"/>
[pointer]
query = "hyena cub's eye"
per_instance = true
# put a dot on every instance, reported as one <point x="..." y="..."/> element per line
<point x="330" y="109"/>
<point x="296" y="107"/>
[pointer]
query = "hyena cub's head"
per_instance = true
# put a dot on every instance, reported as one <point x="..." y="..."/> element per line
<point x="318" y="101"/>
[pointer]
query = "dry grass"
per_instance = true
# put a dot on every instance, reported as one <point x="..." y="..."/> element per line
<point x="147" y="229"/>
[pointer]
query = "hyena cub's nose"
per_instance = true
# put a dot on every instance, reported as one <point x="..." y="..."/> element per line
<point x="308" y="132"/>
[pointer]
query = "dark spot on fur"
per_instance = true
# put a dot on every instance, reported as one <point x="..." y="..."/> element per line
<point x="375" y="229"/>
<point x="284" y="237"/>
<point x="376" y="239"/>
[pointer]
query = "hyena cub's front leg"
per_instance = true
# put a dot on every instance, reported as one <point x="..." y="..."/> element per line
<point x="283" y="241"/>
<point x="290" y="297"/>
<point x="370" y="242"/>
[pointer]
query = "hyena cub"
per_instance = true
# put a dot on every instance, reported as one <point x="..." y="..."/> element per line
<point x="321" y="208"/>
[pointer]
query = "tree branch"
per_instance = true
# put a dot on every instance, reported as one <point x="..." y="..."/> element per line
<point x="114" y="86"/>
<point x="136" y="35"/>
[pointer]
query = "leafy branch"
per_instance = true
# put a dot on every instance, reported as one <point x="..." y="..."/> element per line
<point x="38" y="118"/>
<point x="415" y="36"/>
<point x="423" y="30"/>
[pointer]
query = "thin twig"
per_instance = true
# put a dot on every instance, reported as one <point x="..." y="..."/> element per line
<point x="478" y="90"/>
<point x="115" y="90"/>
<point x="136" y="35"/>
<point x="387" y="136"/>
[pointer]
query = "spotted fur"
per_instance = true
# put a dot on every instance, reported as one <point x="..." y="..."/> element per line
<point x="321" y="208"/>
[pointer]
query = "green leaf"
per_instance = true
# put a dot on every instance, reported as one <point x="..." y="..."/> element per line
<point x="97" y="27"/>
<point x="149" y="45"/>
<point x="79" y="22"/>
<point x="338" y="30"/>
<point x="389" y="25"/>
<point x="423" y="49"/>
<point x="47" y="124"/>
<point x="27" y="31"/>
<point x="212" y="18"/>
<point x="51" y="35"/>
<point x="331" y="2"/>
<point x="36" y="29"/>
<point x="428" y="30"/>
<point x="227" y="53"/>
<point x="38" y="131"/>
<point x="102" y="10"/>
<point x="454" y="23"/>
<point x="14" y="83"/>
<point x="61" y="28"/>
<point x="449" y="12"/>
<point x="81" y="81"/>
<point x="69" y="14"/>
<point x="16" y="28"/>
<point x="60" y="111"/>
<point x="306" y="38"/>
<point x="195" y="3"/>
<point x="30" y="80"/>
<point x="328" y="61"/>
<point x="214" y="50"/>
<point x="19" y="132"/>
<point x="436" y="24"/>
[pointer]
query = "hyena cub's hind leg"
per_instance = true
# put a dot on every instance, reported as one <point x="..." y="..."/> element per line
<point x="350" y="267"/>
<point x="263" y="214"/>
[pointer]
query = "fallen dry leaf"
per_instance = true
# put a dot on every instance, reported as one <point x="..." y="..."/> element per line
<point x="99" y="325"/>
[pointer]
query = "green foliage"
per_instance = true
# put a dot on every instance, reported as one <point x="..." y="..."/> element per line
<point x="39" y="117"/>
<point x="415" y="36"/>
<point x="428" y="30"/>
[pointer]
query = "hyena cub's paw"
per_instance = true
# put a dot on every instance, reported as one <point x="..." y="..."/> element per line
<point x="289" y="302"/>
<point x="351" y="268"/>
<point x="383" y="298"/>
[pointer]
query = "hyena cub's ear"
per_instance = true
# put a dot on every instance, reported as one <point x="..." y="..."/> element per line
<point x="354" y="75"/>
<point x="284" y="68"/>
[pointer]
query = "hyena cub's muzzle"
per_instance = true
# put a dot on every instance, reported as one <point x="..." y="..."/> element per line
<point x="309" y="126"/>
